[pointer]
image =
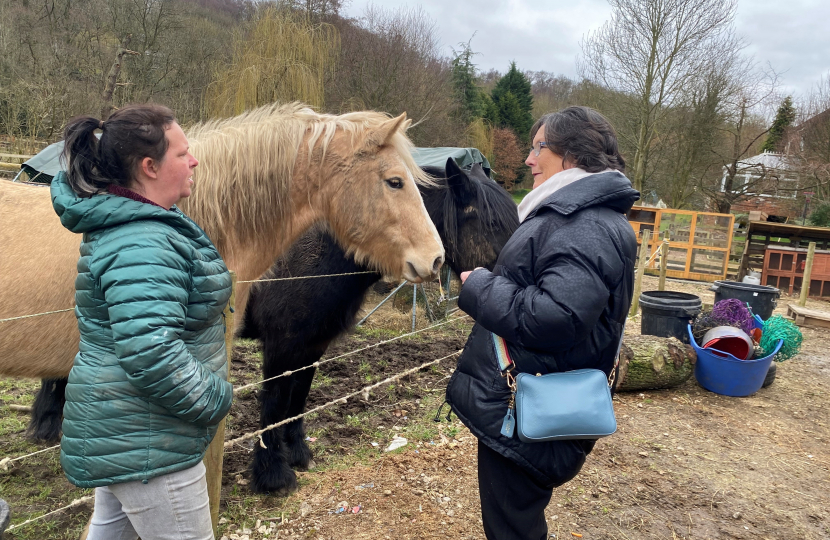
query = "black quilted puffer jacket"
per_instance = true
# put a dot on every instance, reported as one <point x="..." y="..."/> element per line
<point x="558" y="295"/>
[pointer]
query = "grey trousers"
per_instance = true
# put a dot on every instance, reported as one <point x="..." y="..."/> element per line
<point x="169" y="507"/>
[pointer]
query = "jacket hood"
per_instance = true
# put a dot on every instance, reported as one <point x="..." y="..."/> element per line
<point x="84" y="214"/>
<point x="609" y="189"/>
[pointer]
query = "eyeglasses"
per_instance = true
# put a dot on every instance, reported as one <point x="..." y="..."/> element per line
<point x="537" y="148"/>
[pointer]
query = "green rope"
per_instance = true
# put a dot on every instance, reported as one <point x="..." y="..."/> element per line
<point x="776" y="328"/>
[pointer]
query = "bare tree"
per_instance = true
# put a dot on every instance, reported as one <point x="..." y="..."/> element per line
<point x="649" y="51"/>
<point x="689" y="137"/>
<point x="809" y="142"/>
<point x="391" y="61"/>
<point x="550" y="92"/>
<point x="748" y="105"/>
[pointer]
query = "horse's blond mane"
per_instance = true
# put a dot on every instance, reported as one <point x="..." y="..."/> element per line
<point x="247" y="161"/>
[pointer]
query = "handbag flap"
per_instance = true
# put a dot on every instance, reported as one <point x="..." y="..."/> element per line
<point x="566" y="405"/>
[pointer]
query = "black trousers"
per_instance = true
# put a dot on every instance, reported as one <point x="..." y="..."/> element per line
<point x="512" y="503"/>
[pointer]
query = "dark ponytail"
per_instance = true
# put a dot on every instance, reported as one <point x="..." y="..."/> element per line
<point x="128" y="136"/>
<point x="582" y="136"/>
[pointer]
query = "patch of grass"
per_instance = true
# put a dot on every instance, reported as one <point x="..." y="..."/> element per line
<point x="519" y="194"/>
<point x="321" y="380"/>
<point x="423" y="432"/>
<point x="365" y="370"/>
<point x="13" y="423"/>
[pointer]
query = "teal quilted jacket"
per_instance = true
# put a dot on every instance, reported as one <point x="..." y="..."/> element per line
<point x="149" y="383"/>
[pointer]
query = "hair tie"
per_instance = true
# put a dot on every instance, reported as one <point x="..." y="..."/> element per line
<point x="100" y="124"/>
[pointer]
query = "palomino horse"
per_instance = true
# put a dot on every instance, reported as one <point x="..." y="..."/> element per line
<point x="265" y="177"/>
<point x="475" y="218"/>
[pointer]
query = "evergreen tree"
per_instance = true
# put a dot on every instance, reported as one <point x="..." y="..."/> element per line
<point x="514" y="102"/>
<point x="821" y="216"/>
<point x="470" y="98"/>
<point x="783" y="119"/>
<point x="490" y="111"/>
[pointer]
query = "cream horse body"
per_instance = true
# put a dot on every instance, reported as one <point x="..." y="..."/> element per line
<point x="264" y="178"/>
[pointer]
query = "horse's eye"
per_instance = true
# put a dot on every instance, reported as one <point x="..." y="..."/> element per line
<point x="394" y="182"/>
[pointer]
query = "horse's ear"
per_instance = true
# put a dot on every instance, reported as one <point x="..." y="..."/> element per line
<point x="381" y="135"/>
<point x="478" y="170"/>
<point x="461" y="187"/>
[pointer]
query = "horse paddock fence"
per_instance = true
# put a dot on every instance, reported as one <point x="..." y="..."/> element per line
<point x="214" y="455"/>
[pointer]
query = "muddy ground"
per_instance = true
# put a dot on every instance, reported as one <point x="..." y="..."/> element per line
<point x="685" y="463"/>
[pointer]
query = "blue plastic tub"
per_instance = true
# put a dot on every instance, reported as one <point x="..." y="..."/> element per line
<point x="727" y="375"/>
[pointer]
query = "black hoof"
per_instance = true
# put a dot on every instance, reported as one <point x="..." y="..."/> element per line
<point x="275" y="478"/>
<point x="44" y="430"/>
<point x="299" y="456"/>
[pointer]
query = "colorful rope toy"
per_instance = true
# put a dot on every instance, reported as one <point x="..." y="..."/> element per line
<point x="776" y="328"/>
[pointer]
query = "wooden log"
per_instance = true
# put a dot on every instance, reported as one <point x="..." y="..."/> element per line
<point x="215" y="452"/>
<point x="651" y="362"/>
<point x="19" y="408"/>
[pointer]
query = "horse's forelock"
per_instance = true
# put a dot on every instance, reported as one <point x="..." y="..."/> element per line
<point x="495" y="209"/>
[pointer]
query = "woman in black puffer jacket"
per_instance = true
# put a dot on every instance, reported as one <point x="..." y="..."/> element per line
<point x="558" y="295"/>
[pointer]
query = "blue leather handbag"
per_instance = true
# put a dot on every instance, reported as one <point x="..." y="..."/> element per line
<point x="563" y="406"/>
<point x="557" y="406"/>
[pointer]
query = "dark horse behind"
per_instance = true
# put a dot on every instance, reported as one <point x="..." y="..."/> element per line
<point x="297" y="320"/>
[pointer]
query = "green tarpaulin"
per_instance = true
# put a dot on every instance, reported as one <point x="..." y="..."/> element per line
<point x="437" y="157"/>
<point x="45" y="164"/>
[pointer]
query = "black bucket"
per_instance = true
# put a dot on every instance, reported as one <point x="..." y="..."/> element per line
<point x="761" y="298"/>
<point x="668" y="314"/>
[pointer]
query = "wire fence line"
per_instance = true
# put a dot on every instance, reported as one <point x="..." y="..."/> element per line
<point x="306" y="277"/>
<point x="5" y="462"/>
<point x="258" y="433"/>
<point x="73" y="504"/>
<point x="344" y="355"/>
<point x="242" y="281"/>
<point x="341" y="400"/>
<point x="36" y="315"/>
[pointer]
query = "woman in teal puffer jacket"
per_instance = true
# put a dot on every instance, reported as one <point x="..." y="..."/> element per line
<point x="148" y="385"/>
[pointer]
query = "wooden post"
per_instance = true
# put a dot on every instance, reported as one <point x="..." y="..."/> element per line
<point x="664" y="264"/>
<point x="215" y="452"/>
<point x="641" y="268"/>
<point x="743" y="264"/>
<point x="808" y="273"/>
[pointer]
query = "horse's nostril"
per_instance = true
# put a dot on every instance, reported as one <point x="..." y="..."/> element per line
<point x="437" y="264"/>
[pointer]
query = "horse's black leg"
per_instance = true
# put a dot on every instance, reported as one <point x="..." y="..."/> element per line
<point x="270" y="471"/>
<point x="47" y="411"/>
<point x="299" y="455"/>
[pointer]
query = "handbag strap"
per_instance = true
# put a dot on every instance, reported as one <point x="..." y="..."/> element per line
<point x="507" y="365"/>
<point x="615" y="371"/>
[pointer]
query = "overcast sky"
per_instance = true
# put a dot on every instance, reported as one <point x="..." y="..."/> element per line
<point x="793" y="36"/>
